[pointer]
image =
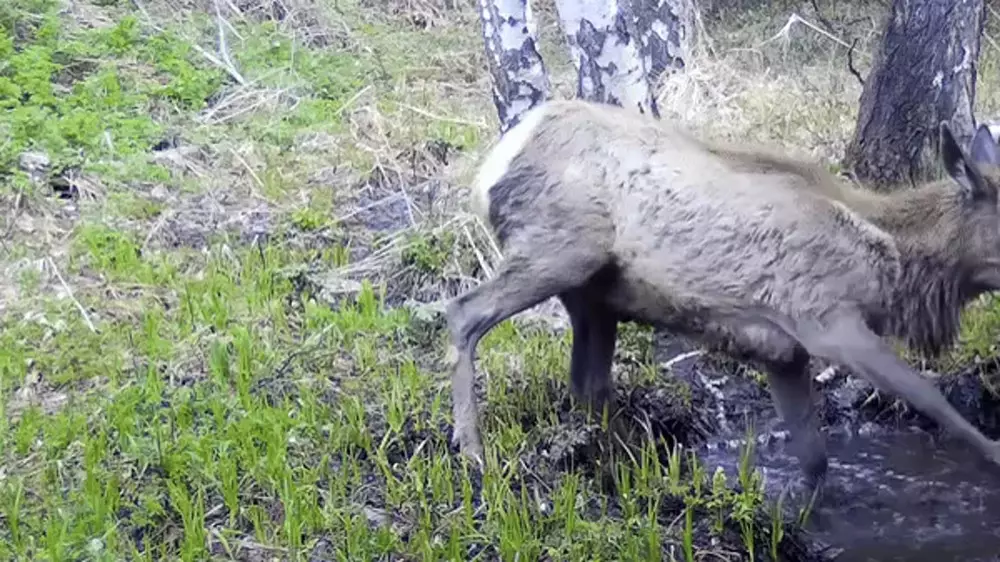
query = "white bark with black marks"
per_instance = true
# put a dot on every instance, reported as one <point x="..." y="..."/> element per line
<point x="604" y="41"/>
<point x="520" y="80"/>
<point x="666" y="34"/>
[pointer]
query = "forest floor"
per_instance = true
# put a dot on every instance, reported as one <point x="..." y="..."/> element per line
<point x="222" y="271"/>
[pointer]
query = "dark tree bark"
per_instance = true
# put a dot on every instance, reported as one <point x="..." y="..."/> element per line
<point x="520" y="80"/>
<point x="923" y="73"/>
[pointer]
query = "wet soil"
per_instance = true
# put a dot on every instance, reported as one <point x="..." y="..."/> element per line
<point x="898" y="489"/>
<point x="894" y="496"/>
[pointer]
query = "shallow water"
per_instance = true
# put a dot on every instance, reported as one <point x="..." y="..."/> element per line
<point x="897" y="496"/>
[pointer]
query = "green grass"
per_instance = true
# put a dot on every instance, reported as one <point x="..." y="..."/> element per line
<point x="182" y="375"/>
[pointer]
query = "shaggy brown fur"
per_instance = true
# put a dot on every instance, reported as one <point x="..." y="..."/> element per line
<point x="628" y="218"/>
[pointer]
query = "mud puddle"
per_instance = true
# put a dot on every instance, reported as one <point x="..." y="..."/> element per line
<point x="896" y="495"/>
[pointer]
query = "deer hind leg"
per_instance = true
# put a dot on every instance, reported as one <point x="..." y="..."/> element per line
<point x="524" y="280"/>
<point x="786" y="364"/>
<point x="595" y="331"/>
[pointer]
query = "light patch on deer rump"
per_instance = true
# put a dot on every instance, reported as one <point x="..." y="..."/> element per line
<point x="497" y="161"/>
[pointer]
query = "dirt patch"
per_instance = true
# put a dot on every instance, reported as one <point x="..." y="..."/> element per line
<point x="195" y="221"/>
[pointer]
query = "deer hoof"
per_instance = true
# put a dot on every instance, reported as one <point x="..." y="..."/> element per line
<point x="469" y="444"/>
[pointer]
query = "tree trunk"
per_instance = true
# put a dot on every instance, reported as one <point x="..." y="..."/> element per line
<point x="923" y="73"/>
<point x="520" y="80"/>
<point x="605" y="39"/>
<point x="666" y="35"/>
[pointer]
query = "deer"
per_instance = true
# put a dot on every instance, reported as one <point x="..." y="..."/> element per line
<point x="767" y="257"/>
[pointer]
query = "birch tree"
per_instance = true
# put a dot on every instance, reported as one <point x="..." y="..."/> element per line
<point x="923" y="73"/>
<point x="520" y="80"/>
<point x="620" y="48"/>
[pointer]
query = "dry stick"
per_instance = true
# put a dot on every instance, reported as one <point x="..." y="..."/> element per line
<point x="795" y="18"/>
<point x="351" y="100"/>
<point x="850" y="62"/>
<point x="358" y="210"/>
<point x="236" y="10"/>
<point x="156" y="228"/>
<point x="479" y="256"/>
<point x="252" y="173"/>
<point x="430" y="115"/>
<point x="211" y="58"/>
<point x="12" y="218"/>
<point x="489" y="237"/>
<point x="819" y="15"/>
<point x="990" y="40"/>
<point x="246" y="109"/>
<point x="681" y="357"/>
<point x="223" y="48"/>
<point x="409" y="205"/>
<point x="83" y="311"/>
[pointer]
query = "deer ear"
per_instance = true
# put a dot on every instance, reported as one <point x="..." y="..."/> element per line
<point x="959" y="166"/>
<point x="984" y="149"/>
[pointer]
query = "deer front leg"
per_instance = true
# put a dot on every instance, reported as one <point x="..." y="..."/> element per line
<point x="848" y="340"/>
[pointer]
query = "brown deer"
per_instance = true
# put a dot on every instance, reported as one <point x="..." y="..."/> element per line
<point x="627" y="218"/>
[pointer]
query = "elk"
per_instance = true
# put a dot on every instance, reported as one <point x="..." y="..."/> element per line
<point x="771" y="259"/>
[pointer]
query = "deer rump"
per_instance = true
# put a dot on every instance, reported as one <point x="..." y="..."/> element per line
<point x="626" y="218"/>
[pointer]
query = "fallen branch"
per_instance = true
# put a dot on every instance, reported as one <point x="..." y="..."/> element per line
<point x="229" y="68"/>
<point x="850" y="63"/>
<point x="83" y="311"/>
<point x="224" y="49"/>
<point x="795" y="18"/>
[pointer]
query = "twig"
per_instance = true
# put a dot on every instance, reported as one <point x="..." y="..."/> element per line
<point x="12" y="218"/>
<point x="231" y="70"/>
<point x="990" y="40"/>
<point x="409" y="204"/>
<point x="351" y="100"/>
<point x="252" y="173"/>
<point x="236" y="10"/>
<point x="83" y="311"/>
<point x="224" y="49"/>
<point x="819" y="15"/>
<point x="683" y="356"/>
<point x="489" y="237"/>
<point x="850" y="63"/>
<point x="156" y="227"/>
<point x="138" y="5"/>
<point x="795" y="18"/>
<point x="231" y="100"/>
<point x="369" y="206"/>
<point x="441" y="118"/>
<point x="479" y="256"/>
<point x="309" y="345"/>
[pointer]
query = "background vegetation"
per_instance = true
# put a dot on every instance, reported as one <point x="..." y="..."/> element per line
<point x="221" y="269"/>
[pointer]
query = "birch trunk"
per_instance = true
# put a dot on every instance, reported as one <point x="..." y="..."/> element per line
<point x="520" y="80"/>
<point x="923" y="73"/>
<point x="622" y="47"/>
<point x="603" y="41"/>
<point x="666" y="35"/>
